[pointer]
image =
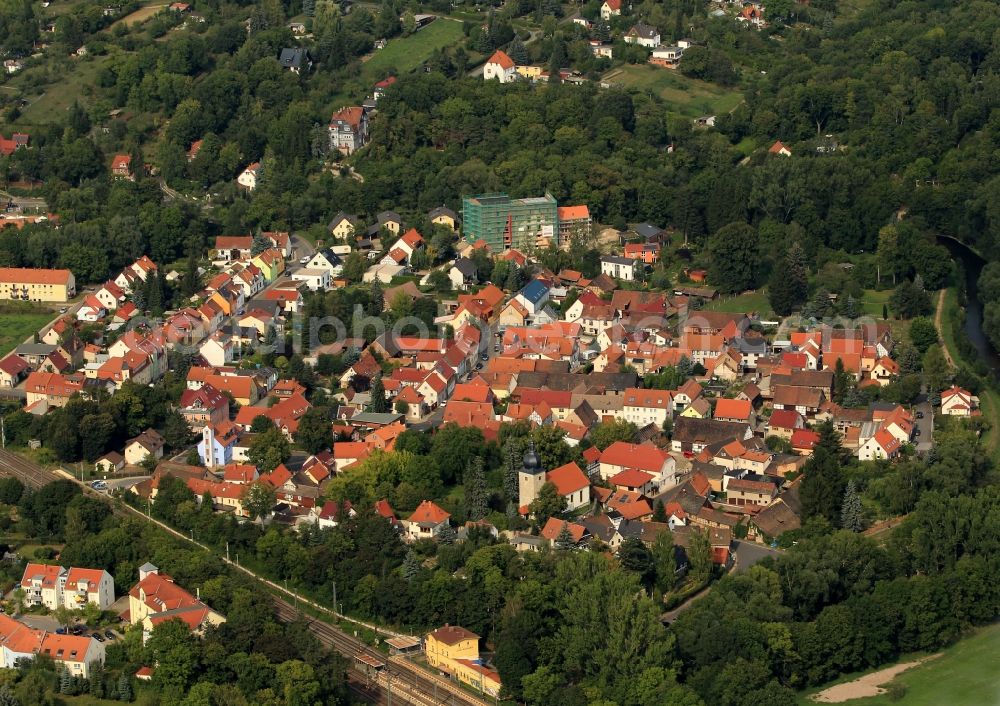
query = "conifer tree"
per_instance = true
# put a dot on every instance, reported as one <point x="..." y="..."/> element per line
<point x="564" y="540"/>
<point x="379" y="403"/>
<point x="411" y="566"/>
<point x="851" y="512"/>
<point x="476" y="492"/>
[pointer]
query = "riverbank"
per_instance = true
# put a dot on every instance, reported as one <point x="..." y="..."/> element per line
<point x="948" y="312"/>
<point x="963" y="675"/>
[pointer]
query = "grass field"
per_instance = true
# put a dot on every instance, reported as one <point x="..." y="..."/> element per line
<point x="56" y="98"/>
<point x="406" y="54"/>
<point x="687" y="96"/>
<point x="17" y="323"/>
<point x="965" y="675"/>
<point x="871" y="305"/>
<point x="139" y="16"/>
<point x="743" y="303"/>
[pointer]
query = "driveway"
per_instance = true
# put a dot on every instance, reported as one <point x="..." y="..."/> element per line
<point x="430" y="422"/>
<point x="300" y="248"/>
<point x="749" y="553"/>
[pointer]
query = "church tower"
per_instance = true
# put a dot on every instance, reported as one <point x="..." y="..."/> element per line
<point x="530" y="478"/>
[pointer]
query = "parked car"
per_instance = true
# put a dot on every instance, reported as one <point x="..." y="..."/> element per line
<point x="76" y="630"/>
<point x="304" y="260"/>
<point x="99" y="485"/>
<point x="920" y="415"/>
<point x="60" y="631"/>
<point x="109" y="634"/>
<point x="97" y="636"/>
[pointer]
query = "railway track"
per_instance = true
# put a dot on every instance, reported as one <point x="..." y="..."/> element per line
<point x="28" y="473"/>
<point x="400" y="681"/>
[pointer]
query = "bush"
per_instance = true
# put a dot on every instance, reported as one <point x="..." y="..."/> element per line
<point x="895" y="691"/>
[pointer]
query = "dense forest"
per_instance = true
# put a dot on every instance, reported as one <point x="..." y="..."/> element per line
<point x="897" y="97"/>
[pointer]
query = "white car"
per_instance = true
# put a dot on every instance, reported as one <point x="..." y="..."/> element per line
<point x="305" y="260"/>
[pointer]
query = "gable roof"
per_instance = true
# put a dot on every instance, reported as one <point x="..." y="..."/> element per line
<point x="504" y="61"/>
<point x="568" y="478"/>
<point x="733" y="409"/>
<point x="645" y="457"/>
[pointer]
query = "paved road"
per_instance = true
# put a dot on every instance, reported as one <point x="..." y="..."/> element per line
<point x="925" y="439"/>
<point x="25" y="203"/>
<point x="429" y="422"/>
<point x="300" y="248"/>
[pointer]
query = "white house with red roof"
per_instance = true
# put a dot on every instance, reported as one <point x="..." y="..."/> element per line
<point x="111" y="295"/>
<point x="12" y="370"/>
<point x="248" y="177"/>
<point x="54" y="586"/>
<point x="409" y="243"/>
<point x="500" y="67"/>
<point x="121" y="166"/>
<point x="426" y="522"/>
<point x="611" y="8"/>
<point x="91" y="310"/>
<point x="958" y="402"/>
<point x="622" y="456"/>
<point x="644" y="406"/>
<point x="82" y="586"/>
<point x="883" y="445"/>
<point x="752" y="15"/>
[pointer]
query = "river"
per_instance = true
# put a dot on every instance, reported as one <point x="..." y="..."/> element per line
<point x="973" y="265"/>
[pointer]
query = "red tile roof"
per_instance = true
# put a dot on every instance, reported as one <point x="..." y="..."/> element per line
<point x="733" y="409"/>
<point x="502" y="59"/>
<point x="630" y="478"/>
<point x="554" y="526"/>
<point x="429" y="512"/>
<point x="568" y="478"/>
<point x="644" y="457"/>
<point x="30" y="275"/>
<point x="804" y="439"/>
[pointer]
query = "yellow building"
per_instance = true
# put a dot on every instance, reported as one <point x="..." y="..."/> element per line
<point x="156" y="599"/>
<point x="443" y="216"/>
<point x="455" y="651"/>
<point x="529" y="71"/>
<point x="36" y="285"/>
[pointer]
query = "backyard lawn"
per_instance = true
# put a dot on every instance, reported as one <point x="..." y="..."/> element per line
<point x="964" y="675"/>
<point x="687" y="96"/>
<point x="17" y="323"/>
